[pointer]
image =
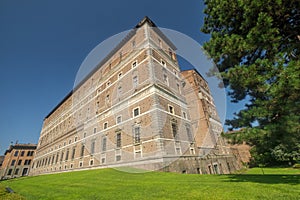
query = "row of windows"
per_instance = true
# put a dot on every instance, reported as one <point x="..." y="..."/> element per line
<point x="135" y="82"/>
<point x="135" y="78"/>
<point x="91" y="163"/>
<point x="29" y="153"/>
<point x="17" y="170"/>
<point x="65" y="155"/>
<point x="26" y="162"/>
<point x="136" y="140"/>
<point x="136" y="112"/>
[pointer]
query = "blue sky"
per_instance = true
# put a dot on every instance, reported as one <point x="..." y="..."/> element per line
<point x="43" y="43"/>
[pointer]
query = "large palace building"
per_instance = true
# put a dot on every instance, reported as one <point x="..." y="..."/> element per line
<point x="136" y="109"/>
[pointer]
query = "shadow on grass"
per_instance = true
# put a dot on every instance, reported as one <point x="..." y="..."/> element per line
<point x="268" y="179"/>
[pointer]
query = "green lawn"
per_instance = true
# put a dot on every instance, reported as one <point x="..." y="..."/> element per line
<point x="276" y="183"/>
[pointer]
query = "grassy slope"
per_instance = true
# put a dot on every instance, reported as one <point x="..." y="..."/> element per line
<point x="113" y="184"/>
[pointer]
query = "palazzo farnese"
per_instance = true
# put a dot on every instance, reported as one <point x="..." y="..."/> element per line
<point x="136" y="109"/>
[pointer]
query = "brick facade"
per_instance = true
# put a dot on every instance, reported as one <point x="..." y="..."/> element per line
<point x="17" y="161"/>
<point x="131" y="110"/>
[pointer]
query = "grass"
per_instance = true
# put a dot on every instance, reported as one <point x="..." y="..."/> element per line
<point x="276" y="183"/>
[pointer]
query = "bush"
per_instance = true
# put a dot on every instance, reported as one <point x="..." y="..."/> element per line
<point x="296" y="166"/>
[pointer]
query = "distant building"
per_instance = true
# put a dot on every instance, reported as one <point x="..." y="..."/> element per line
<point x="17" y="161"/>
<point x="136" y="108"/>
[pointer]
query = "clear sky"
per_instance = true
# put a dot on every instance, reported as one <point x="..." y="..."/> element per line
<point x="43" y="43"/>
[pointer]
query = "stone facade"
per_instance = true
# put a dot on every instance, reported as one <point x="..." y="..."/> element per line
<point x="17" y="161"/>
<point x="131" y="110"/>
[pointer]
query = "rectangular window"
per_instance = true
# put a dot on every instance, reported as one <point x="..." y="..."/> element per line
<point x="174" y="129"/>
<point x="19" y="162"/>
<point x="184" y="115"/>
<point x="135" y="81"/>
<point x="136" y="112"/>
<point x="16" y="153"/>
<point x="13" y="162"/>
<point x="104" y="144"/>
<point x="134" y="64"/>
<point x="57" y="155"/>
<point x="119" y="92"/>
<point x="93" y="147"/>
<point x="62" y="156"/>
<point x="73" y="153"/>
<point x="95" y="130"/>
<point x="49" y="160"/>
<point x="53" y="157"/>
<point x="119" y="119"/>
<point x="118" y="140"/>
<point x="82" y="151"/>
<point x="91" y="162"/>
<point x="192" y="151"/>
<point x="171" y="109"/>
<point x="17" y="171"/>
<point x="107" y="98"/>
<point x="137" y="135"/>
<point x="105" y="125"/>
<point x="119" y="75"/>
<point x="22" y="153"/>
<point x="163" y="63"/>
<point x="189" y="134"/>
<point x="67" y="155"/>
<point x="9" y="172"/>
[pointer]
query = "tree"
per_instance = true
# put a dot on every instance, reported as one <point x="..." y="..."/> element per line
<point x="256" y="47"/>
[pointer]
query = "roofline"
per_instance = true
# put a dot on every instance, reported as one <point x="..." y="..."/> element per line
<point x="20" y="146"/>
<point x="195" y="70"/>
<point x="146" y="19"/>
<point x="60" y="103"/>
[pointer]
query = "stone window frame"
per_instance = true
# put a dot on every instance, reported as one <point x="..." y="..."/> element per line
<point x="171" y="109"/>
<point x="184" y="115"/>
<point x="135" y="81"/>
<point x="136" y="135"/>
<point x="163" y="62"/>
<point x="134" y="64"/>
<point x="91" y="162"/>
<point x="134" y="113"/>
<point x="119" y="117"/>
<point x="104" y="143"/>
<point x="93" y="144"/>
<point x="118" y="139"/>
<point x="105" y="125"/>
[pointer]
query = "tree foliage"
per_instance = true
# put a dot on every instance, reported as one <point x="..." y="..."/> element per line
<point x="256" y="47"/>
